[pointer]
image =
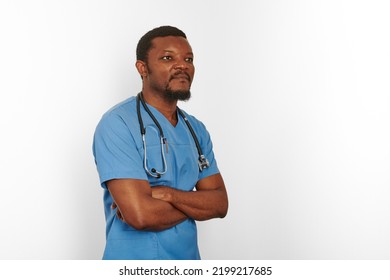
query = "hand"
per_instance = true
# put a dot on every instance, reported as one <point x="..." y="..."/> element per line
<point x="118" y="212"/>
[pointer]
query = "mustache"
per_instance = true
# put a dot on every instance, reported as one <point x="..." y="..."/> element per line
<point x="180" y="74"/>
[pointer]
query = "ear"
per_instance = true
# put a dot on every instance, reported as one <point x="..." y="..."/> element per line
<point x="142" y="68"/>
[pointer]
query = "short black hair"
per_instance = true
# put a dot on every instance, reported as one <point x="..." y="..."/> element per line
<point x="145" y="43"/>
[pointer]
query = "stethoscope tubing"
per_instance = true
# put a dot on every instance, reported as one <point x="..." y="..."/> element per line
<point x="202" y="161"/>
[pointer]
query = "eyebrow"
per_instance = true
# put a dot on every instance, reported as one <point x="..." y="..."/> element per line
<point x="191" y="53"/>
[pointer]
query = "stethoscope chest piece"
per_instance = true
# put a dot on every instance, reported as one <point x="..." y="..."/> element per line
<point x="203" y="162"/>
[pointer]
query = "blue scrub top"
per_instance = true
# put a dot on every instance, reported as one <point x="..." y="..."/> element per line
<point x="119" y="152"/>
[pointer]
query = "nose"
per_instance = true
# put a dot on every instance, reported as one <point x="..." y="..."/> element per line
<point x="182" y="65"/>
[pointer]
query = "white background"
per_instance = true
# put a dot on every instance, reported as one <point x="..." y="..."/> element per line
<point x="294" y="93"/>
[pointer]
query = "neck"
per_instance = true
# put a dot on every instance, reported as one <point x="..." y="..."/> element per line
<point x="164" y="106"/>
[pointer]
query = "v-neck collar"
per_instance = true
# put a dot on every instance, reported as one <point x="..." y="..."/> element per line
<point x="159" y="116"/>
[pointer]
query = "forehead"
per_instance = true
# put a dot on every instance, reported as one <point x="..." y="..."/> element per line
<point x="170" y="43"/>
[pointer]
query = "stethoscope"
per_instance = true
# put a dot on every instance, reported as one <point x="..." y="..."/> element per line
<point x="203" y="163"/>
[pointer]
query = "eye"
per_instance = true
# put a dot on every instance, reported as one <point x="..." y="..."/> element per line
<point x="189" y="59"/>
<point x="166" y="57"/>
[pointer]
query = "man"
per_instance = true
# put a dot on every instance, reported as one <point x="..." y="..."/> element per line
<point x="156" y="180"/>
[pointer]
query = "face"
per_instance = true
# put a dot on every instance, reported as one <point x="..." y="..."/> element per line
<point x="170" y="67"/>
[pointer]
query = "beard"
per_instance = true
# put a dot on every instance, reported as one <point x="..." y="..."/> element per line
<point x="169" y="94"/>
<point x="177" y="95"/>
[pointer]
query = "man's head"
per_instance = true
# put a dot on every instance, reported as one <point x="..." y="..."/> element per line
<point x="165" y="63"/>
<point x="145" y="43"/>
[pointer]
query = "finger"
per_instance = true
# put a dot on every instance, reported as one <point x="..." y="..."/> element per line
<point x="119" y="215"/>
<point x="113" y="205"/>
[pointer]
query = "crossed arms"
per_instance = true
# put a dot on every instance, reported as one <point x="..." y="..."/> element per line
<point x="161" y="207"/>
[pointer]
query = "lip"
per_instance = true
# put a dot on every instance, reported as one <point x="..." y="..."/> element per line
<point x="181" y="77"/>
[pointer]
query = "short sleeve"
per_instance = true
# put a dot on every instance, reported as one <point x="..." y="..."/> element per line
<point x="115" y="151"/>
<point x="207" y="149"/>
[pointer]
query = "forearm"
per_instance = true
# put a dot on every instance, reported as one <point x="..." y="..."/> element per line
<point x="156" y="215"/>
<point x="199" y="205"/>
<point x="161" y="215"/>
<point x="139" y="209"/>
